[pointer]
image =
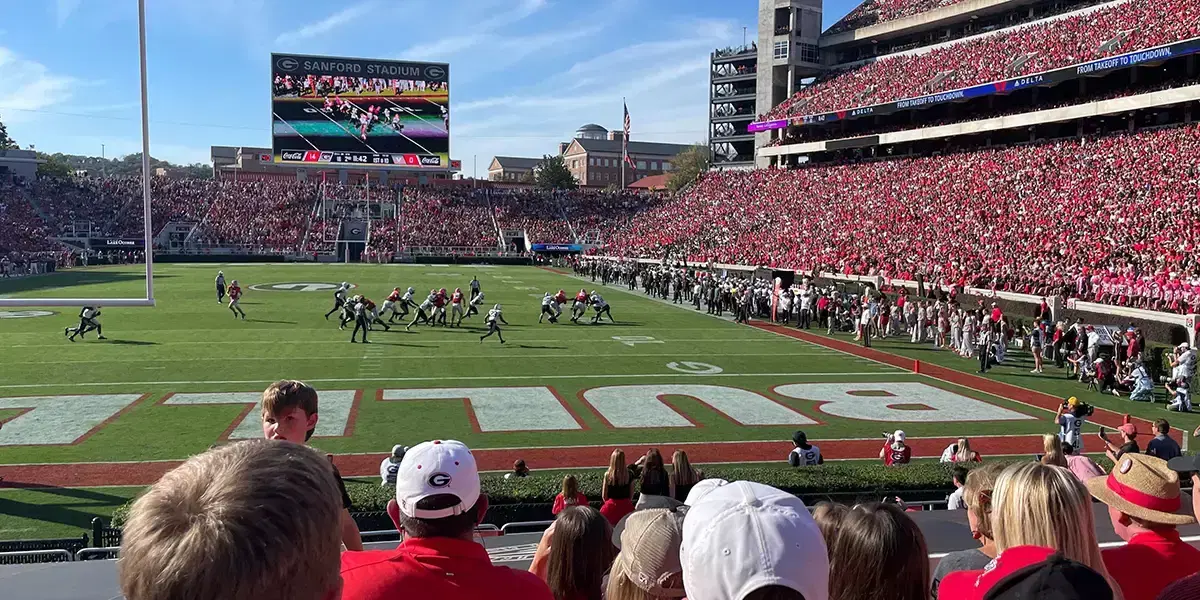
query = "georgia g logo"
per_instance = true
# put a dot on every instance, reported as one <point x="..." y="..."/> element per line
<point x="439" y="480"/>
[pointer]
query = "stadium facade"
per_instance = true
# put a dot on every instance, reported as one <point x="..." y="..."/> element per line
<point x="919" y="77"/>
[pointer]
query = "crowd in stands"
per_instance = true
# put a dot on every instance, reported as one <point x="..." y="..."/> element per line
<point x="1108" y="219"/>
<point x="1028" y="49"/>
<point x="258" y="215"/>
<point x="268" y="519"/>
<point x="873" y="12"/>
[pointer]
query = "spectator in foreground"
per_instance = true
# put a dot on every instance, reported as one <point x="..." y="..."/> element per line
<point x="1128" y="445"/>
<point x="289" y="412"/>
<point x="1052" y="451"/>
<point x="895" y="451"/>
<point x="884" y="537"/>
<point x="569" y="496"/>
<point x="751" y="541"/>
<point x="1187" y="588"/>
<point x="1036" y="505"/>
<point x="225" y="525"/>
<point x="1035" y="572"/>
<point x="1162" y="446"/>
<point x="648" y="566"/>
<point x="683" y="475"/>
<point x="1143" y="498"/>
<point x="616" y="489"/>
<point x="978" y="495"/>
<point x="804" y="454"/>
<point x="1082" y="466"/>
<point x="574" y="554"/>
<point x="438" y="504"/>
<point x="959" y="477"/>
<point x="828" y="516"/>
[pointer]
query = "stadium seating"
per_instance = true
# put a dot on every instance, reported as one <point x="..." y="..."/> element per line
<point x="873" y="12"/>
<point x="1109" y="219"/>
<point x="1041" y="46"/>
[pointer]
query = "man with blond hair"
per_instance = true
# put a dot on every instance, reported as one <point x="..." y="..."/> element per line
<point x="252" y="520"/>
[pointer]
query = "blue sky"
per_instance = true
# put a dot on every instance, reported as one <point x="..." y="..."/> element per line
<point x="524" y="73"/>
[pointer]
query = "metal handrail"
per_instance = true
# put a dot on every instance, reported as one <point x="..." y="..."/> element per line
<point x="55" y="552"/>
<point x="522" y="524"/>
<point x="111" y="550"/>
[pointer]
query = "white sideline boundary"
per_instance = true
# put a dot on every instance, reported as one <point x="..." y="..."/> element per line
<point x="408" y="357"/>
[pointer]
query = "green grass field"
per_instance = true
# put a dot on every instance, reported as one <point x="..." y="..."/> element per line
<point x="191" y="344"/>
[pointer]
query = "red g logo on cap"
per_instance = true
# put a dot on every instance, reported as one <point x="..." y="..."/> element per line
<point x="439" y="480"/>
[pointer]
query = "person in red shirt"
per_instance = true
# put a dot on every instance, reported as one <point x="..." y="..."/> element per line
<point x="438" y="504"/>
<point x="235" y="294"/>
<point x="569" y="496"/>
<point x="895" y="451"/>
<point x="1142" y="494"/>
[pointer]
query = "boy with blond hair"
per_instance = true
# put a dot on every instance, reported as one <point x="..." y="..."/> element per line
<point x="250" y="520"/>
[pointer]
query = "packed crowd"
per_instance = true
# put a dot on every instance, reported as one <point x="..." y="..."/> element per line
<point x="873" y="12"/>
<point x="225" y="525"/>
<point x="1110" y="219"/>
<point x="1042" y="46"/>
<point x="259" y="215"/>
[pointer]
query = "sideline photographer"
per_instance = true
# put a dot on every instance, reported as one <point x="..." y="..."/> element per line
<point x="1070" y="417"/>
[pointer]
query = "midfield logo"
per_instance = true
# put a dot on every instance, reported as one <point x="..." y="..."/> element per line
<point x="296" y="287"/>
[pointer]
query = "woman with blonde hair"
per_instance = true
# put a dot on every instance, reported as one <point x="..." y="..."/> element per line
<point x="1044" y="506"/>
<point x="1053" y="451"/>
<point x="965" y="453"/>
<point x="569" y="496"/>
<point x="683" y="475"/>
<point x="977" y="493"/>
<point x="617" y="489"/>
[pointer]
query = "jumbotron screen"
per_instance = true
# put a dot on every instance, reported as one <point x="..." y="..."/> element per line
<point x="359" y="112"/>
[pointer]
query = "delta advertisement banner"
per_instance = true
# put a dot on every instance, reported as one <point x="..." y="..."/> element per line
<point x="359" y="112"/>
<point x="1096" y="67"/>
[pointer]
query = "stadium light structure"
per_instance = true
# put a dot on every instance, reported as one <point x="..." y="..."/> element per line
<point x="147" y="232"/>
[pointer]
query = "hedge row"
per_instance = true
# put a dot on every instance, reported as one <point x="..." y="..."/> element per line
<point x="527" y="498"/>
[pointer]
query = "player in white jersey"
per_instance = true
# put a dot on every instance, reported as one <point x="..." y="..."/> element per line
<point x="423" y="311"/>
<point x="804" y="454"/>
<point x="89" y="319"/>
<point x="601" y="307"/>
<point x="548" y="309"/>
<point x="339" y="298"/>
<point x="493" y="320"/>
<point x="220" y="287"/>
<point x="401" y="309"/>
<point x="473" y="305"/>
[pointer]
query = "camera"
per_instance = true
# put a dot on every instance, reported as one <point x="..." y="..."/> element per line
<point x="1081" y="409"/>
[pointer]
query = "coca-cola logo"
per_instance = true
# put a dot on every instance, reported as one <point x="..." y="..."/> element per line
<point x="297" y="155"/>
<point x="431" y="161"/>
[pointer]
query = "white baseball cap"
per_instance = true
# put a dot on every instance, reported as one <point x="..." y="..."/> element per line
<point x="899" y="435"/>
<point x="435" y="468"/>
<point x="744" y="536"/>
<point x="702" y="489"/>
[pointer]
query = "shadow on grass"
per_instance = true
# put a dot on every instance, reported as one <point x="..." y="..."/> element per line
<point x="73" y="278"/>
<point x="72" y="514"/>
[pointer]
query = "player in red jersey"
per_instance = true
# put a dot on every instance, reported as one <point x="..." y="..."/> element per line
<point x="235" y="294"/>
<point x="439" y="308"/>
<point x="456" y="307"/>
<point x="560" y="300"/>
<point x="580" y="307"/>
<point x="372" y="312"/>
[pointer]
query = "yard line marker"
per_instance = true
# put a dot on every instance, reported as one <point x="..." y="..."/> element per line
<point x="370" y="360"/>
<point x="471" y="378"/>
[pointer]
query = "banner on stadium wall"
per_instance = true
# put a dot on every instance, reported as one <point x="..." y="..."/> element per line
<point x="557" y="248"/>
<point x="1095" y="67"/>
<point x="116" y="243"/>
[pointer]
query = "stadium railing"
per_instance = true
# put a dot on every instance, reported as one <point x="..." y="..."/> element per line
<point x="37" y="551"/>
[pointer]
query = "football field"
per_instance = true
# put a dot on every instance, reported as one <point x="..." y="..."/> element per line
<point x="173" y="380"/>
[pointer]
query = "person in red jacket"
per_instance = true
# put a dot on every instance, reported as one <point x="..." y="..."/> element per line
<point x="569" y="496"/>
<point x="438" y="504"/>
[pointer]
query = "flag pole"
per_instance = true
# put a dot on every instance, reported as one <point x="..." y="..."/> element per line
<point x="624" y="142"/>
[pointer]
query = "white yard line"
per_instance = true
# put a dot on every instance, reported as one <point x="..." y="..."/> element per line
<point x="378" y="358"/>
<point x="463" y="378"/>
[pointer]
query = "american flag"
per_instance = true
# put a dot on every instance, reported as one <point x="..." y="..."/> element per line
<point x="625" y="138"/>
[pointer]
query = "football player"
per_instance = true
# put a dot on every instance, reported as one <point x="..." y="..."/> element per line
<point x="473" y="305"/>
<point x="579" y="308"/>
<point x="362" y="320"/>
<point x="372" y="312"/>
<point x="389" y="305"/>
<point x="456" y="307"/>
<point x="235" y="295"/>
<point x="339" y="298"/>
<point x="548" y="308"/>
<point x="494" y="318"/>
<point x="560" y="299"/>
<point x="406" y="302"/>
<point x="601" y="307"/>
<point x="423" y="311"/>
<point x="89" y="319"/>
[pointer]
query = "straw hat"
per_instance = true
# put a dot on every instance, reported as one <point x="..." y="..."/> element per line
<point x="1143" y="487"/>
<point x="650" y="552"/>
